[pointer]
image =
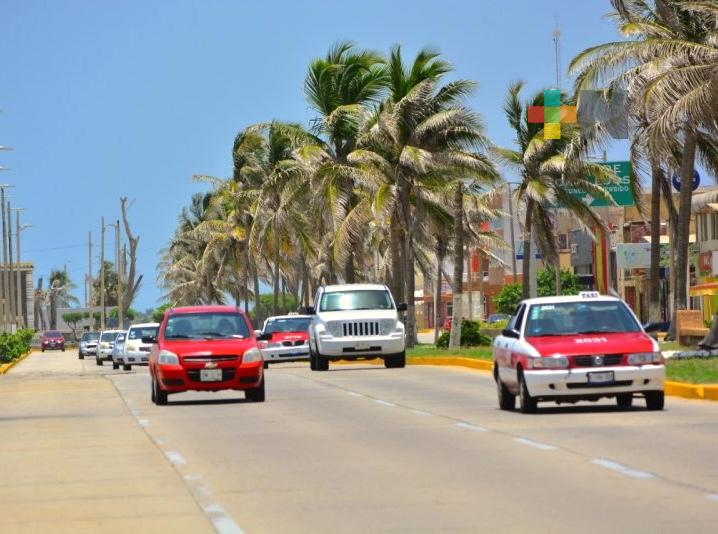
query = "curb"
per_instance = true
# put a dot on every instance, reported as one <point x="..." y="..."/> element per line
<point x="691" y="391"/>
<point x="4" y="368"/>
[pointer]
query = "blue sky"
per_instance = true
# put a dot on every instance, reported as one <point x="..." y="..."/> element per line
<point x="105" y="99"/>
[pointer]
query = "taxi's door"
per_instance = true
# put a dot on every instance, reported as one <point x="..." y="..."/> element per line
<point x="505" y="346"/>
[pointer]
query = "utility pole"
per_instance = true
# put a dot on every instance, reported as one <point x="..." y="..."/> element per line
<point x="118" y="265"/>
<point x="11" y="286"/>
<point x="5" y="307"/>
<point x="102" y="275"/>
<point x="18" y="272"/>
<point x="88" y="287"/>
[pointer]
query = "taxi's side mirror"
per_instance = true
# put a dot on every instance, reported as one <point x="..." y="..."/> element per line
<point x="510" y="332"/>
<point x="150" y="340"/>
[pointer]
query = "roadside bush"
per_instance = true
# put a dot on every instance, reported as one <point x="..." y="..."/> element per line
<point x="470" y="336"/>
<point x="12" y="346"/>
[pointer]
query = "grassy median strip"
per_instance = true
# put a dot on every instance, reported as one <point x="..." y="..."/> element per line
<point x="430" y="351"/>
<point x="693" y="371"/>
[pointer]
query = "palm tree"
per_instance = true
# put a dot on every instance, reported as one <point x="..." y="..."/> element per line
<point x="59" y="289"/>
<point x="547" y="168"/>
<point x="669" y="66"/>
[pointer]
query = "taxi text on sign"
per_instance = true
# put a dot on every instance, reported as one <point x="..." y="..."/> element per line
<point x="620" y="192"/>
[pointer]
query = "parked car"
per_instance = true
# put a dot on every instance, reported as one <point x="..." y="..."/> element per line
<point x="355" y="322"/>
<point x="446" y="327"/>
<point x="118" y="351"/>
<point x="105" y="345"/>
<point x="285" y="338"/>
<point x="52" y="340"/>
<point x="574" y="348"/>
<point x="136" y="351"/>
<point x="88" y="344"/>
<point x="205" y="348"/>
<point x="497" y="318"/>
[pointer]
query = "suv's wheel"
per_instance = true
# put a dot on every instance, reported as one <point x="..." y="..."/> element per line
<point x="312" y="360"/>
<point x="655" y="400"/>
<point x="115" y="365"/>
<point x="255" y="394"/>
<point x="395" y="360"/>
<point x="160" y="396"/>
<point x="320" y="364"/>
<point x="80" y="355"/>
<point x="507" y="400"/>
<point x="266" y="364"/>
<point x="98" y="361"/>
<point x="624" y="400"/>
<point x="527" y="403"/>
<point x="127" y="367"/>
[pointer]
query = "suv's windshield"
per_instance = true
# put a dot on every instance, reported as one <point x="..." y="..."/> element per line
<point x="365" y="299"/>
<point x="567" y="318"/>
<point x="108" y="336"/>
<point x="90" y="336"/>
<point x="138" y="332"/>
<point x="206" y="325"/>
<point x="289" y="324"/>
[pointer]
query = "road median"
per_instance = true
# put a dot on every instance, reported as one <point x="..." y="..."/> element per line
<point x="5" y="367"/>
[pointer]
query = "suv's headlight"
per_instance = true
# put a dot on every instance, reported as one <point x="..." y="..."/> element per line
<point x="166" y="357"/>
<point x="387" y="326"/>
<point x="548" y="362"/>
<point x="252" y="355"/>
<point x="334" y="328"/>
<point x="643" y="358"/>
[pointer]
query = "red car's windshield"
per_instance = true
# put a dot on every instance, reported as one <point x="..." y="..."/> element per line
<point x="53" y="334"/>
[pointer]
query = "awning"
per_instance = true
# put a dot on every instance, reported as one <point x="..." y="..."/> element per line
<point x="665" y="240"/>
<point x="704" y="290"/>
<point x="703" y="200"/>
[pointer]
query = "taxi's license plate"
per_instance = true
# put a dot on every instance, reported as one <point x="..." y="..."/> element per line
<point x="601" y="377"/>
<point x="210" y="375"/>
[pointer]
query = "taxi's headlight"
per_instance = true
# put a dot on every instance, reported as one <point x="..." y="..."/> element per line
<point x="166" y="357"/>
<point x="548" y="362"/>
<point x="252" y="355"/>
<point x="644" y="358"/>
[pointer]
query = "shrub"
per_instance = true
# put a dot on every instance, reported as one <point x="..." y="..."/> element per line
<point x="470" y="336"/>
<point x="12" y="346"/>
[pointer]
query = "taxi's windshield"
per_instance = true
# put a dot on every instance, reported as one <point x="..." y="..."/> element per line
<point x="570" y="318"/>
<point x="290" y="324"/>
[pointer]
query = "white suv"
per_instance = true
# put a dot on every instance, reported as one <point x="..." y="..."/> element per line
<point x="355" y="322"/>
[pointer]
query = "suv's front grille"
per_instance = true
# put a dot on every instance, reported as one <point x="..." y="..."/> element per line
<point x="597" y="360"/>
<point x="360" y="328"/>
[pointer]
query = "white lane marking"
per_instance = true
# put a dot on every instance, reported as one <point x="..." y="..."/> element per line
<point x="384" y="403"/>
<point x="354" y="394"/>
<point x="535" y="444"/>
<point x="221" y="520"/>
<point x="175" y="457"/>
<point x="158" y="441"/>
<point x="144" y="422"/>
<point x="475" y="428"/>
<point x="634" y="473"/>
<point x="421" y="412"/>
<point x="713" y="496"/>
<point x="192" y="478"/>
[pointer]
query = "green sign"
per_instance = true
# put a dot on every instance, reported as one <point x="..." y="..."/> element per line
<point x="620" y="192"/>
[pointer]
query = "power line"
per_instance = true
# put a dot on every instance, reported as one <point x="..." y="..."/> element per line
<point x="55" y="248"/>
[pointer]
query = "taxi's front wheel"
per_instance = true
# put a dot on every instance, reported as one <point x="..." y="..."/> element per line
<point x="527" y="403"/>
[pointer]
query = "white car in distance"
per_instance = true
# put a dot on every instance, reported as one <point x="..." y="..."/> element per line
<point x="137" y="352"/>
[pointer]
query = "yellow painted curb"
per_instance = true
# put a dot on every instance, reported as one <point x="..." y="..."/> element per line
<point x="458" y="361"/>
<point x="4" y="368"/>
<point x="691" y="391"/>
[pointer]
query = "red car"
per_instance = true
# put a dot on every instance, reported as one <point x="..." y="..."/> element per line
<point x="52" y="340"/>
<point x="205" y="348"/>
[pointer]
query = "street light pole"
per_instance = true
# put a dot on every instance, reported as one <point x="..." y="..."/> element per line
<point x="20" y="315"/>
<point x="11" y="286"/>
<point x="4" y="288"/>
<point x="102" y="275"/>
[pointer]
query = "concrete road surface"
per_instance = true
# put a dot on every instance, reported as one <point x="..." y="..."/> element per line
<point x="355" y="449"/>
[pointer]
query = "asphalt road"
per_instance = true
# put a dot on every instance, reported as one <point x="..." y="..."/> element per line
<point x="363" y="448"/>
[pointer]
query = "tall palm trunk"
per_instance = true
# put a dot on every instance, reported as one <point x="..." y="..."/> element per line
<point x="684" y="218"/>
<point x="257" y="299"/>
<point x="526" y="261"/>
<point x="409" y="276"/>
<point x="244" y="255"/>
<point x="440" y="255"/>
<point x="469" y="284"/>
<point x="397" y="263"/>
<point x="457" y="285"/>
<point x="275" y="275"/>
<point x="654" y="311"/>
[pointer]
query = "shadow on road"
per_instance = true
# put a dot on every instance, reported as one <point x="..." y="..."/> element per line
<point x="205" y="402"/>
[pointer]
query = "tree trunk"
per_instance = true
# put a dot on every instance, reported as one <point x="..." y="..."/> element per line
<point x="257" y="300"/>
<point x="284" y="295"/>
<point x="468" y="279"/>
<point x="654" y="311"/>
<point x="275" y="276"/>
<point x="247" y="270"/>
<point x="409" y="275"/>
<point x="53" y="310"/>
<point x="684" y="219"/>
<point x="526" y="261"/>
<point x="397" y="267"/>
<point x="349" y="270"/>
<point x="457" y="285"/>
<point x="440" y="255"/>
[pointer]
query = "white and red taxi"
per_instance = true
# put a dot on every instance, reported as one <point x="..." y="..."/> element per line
<point x="583" y="347"/>
<point x="285" y="338"/>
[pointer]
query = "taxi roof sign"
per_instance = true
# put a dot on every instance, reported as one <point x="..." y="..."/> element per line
<point x="589" y="294"/>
